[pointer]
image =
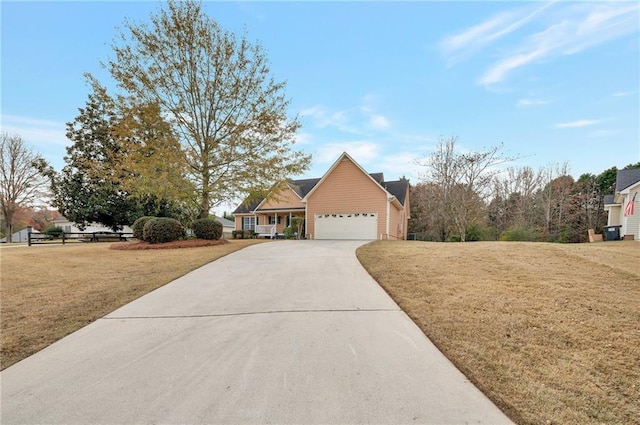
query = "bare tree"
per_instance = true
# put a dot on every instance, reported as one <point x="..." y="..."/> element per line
<point x="21" y="183"/>
<point x="465" y="180"/>
<point x="230" y="115"/>
<point x="553" y="195"/>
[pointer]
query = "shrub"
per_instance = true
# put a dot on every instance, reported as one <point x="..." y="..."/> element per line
<point x="207" y="228"/>
<point x="162" y="229"/>
<point x="54" y="231"/>
<point x="237" y="234"/>
<point x="520" y="233"/>
<point x="138" y="226"/>
<point x="249" y="234"/>
<point x="289" y="232"/>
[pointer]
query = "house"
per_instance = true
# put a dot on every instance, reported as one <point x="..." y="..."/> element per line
<point x="345" y="203"/>
<point x="21" y="236"/>
<point x="70" y="227"/>
<point x="228" y="226"/>
<point x="623" y="206"/>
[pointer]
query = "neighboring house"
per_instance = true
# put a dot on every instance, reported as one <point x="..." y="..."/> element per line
<point x="70" y="227"/>
<point x="623" y="206"/>
<point x="228" y="227"/>
<point x="346" y="203"/>
<point x="21" y="236"/>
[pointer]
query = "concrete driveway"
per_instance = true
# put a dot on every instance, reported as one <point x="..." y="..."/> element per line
<point x="288" y="332"/>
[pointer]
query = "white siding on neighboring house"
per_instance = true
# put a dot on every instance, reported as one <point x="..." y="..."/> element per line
<point x="631" y="223"/>
<point x="627" y="190"/>
<point x="70" y="227"/>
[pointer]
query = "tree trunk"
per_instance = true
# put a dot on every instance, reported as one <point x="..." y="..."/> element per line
<point x="9" y="229"/>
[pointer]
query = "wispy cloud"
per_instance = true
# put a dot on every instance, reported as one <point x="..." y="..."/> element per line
<point x="604" y="133"/>
<point x="324" y="117"/>
<point x="623" y="93"/>
<point x="471" y="40"/>
<point x="543" y="34"/>
<point x="577" y="123"/>
<point x="362" y="151"/>
<point x="34" y="131"/>
<point x="379" y="122"/>
<point x="533" y="102"/>
<point x="359" y="119"/>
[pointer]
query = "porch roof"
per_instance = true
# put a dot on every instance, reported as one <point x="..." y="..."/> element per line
<point x="271" y="210"/>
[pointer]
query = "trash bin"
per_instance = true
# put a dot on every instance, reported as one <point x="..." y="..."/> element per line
<point x="612" y="233"/>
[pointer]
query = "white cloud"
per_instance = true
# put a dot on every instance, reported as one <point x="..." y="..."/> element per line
<point x="567" y="29"/>
<point x="400" y="164"/>
<point x="577" y="123"/>
<point x="302" y="138"/>
<point x="379" y="122"/>
<point x="323" y="117"/>
<point x="361" y="151"/>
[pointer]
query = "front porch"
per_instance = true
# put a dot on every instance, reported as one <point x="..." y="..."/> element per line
<point x="267" y="224"/>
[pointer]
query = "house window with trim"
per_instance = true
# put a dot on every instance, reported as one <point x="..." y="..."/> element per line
<point x="272" y="219"/>
<point x="248" y="223"/>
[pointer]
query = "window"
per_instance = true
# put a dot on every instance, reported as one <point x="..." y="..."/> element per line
<point x="272" y="219"/>
<point x="248" y="223"/>
<point x="67" y="229"/>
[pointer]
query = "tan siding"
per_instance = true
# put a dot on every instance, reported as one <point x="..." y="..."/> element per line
<point x="346" y="190"/>
<point x="395" y="232"/>
<point x="285" y="199"/>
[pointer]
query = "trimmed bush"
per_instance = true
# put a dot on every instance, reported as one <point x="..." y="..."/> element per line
<point x="207" y="228"/>
<point x="237" y="234"/>
<point x="162" y="229"/>
<point x="138" y="226"/>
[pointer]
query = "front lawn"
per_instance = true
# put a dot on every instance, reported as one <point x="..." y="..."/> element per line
<point x="550" y="332"/>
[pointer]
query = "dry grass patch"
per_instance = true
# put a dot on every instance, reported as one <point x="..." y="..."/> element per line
<point x="551" y="333"/>
<point x="49" y="291"/>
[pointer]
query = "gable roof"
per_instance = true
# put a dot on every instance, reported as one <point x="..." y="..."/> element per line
<point x="627" y="178"/>
<point x="345" y="156"/>
<point x="397" y="188"/>
<point x="304" y="187"/>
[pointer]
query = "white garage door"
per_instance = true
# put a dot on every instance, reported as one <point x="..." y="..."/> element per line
<point x="360" y="226"/>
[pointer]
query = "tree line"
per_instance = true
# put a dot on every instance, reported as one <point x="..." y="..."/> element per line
<point x="471" y="196"/>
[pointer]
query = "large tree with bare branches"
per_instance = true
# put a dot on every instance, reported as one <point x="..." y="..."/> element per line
<point x="21" y="183"/>
<point x="464" y="180"/>
<point x="217" y="91"/>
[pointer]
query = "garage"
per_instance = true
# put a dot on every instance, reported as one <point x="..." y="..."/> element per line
<point x="357" y="226"/>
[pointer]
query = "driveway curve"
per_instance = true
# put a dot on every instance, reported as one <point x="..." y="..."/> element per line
<point x="288" y="332"/>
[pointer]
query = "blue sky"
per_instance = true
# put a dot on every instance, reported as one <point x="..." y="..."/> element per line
<point x="552" y="81"/>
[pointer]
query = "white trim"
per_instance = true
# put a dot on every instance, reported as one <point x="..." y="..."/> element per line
<point x="388" y="215"/>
